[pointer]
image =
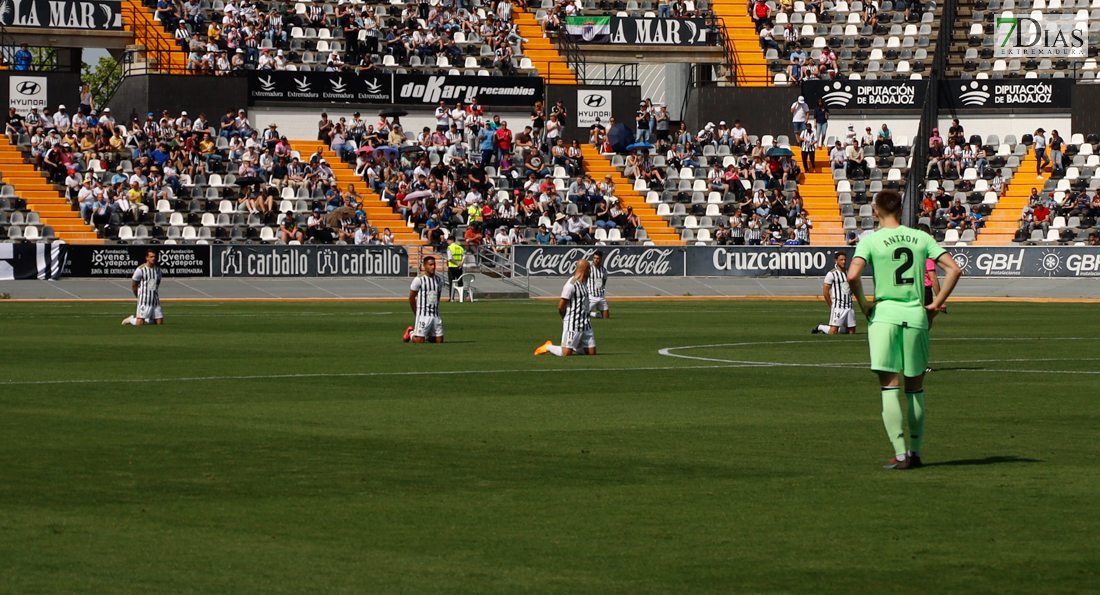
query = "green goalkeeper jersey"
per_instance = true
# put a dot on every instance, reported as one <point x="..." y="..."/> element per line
<point x="897" y="258"/>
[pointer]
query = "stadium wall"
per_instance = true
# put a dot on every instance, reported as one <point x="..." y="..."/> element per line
<point x="51" y="261"/>
<point x="212" y="95"/>
<point x="762" y="110"/>
<point x="1086" y="118"/>
<point x="1018" y="124"/>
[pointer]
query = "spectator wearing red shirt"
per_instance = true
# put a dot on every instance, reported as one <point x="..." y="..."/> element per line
<point x="503" y="140"/>
<point x="1042" y="218"/>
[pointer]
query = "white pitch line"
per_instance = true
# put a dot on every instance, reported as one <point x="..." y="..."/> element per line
<point x="353" y="375"/>
<point x="667" y="351"/>
<point x="221" y="315"/>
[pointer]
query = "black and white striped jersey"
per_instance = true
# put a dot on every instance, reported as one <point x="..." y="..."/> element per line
<point x="577" y="317"/>
<point x="597" y="281"/>
<point x="837" y="282"/>
<point x="148" y="280"/>
<point x="427" y="294"/>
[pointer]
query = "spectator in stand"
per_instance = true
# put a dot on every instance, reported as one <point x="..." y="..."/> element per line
<point x="838" y="157"/>
<point x="790" y="37"/>
<point x="956" y="132"/>
<point x="24" y="60"/>
<point x="854" y="157"/>
<point x="870" y="13"/>
<point x="956" y="215"/>
<point x="809" y="148"/>
<point x="761" y="14"/>
<point x="935" y="159"/>
<point x="1056" y="146"/>
<point x="935" y="138"/>
<point x="928" y="206"/>
<point x="289" y="230"/>
<point x="821" y="117"/>
<point x="868" y="139"/>
<point x="767" y="38"/>
<point x="800" y="112"/>
<point x="794" y="72"/>
<point x="885" y="139"/>
<point x="578" y="230"/>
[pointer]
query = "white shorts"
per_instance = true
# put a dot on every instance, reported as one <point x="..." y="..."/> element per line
<point x="843" y="318"/>
<point x="149" y="313"/>
<point x="598" y="304"/>
<point x="576" y="340"/>
<point x="428" y="326"/>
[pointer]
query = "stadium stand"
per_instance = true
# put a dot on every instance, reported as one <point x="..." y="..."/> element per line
<point x="996" y="198"/>
<point x="972" y="41"/>
<point x="729" y="193"/>
<point x="857" y="181"/>
<point x="222" y="37"/>
<point x="872" y="40"/>
<point x="49" y="213"/>
<point x="177" y="180"/>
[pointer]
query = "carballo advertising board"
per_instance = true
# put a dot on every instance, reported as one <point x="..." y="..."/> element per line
<point x="100" y="15"/>
<point x="634" y="261"/>
<point x="866" y="95"/>
<point x="309" y="261"/>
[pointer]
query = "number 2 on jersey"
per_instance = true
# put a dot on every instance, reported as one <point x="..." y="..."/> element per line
<point x="899" y="273"/>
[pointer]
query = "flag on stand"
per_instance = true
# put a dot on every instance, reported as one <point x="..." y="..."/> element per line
<point x="589" y="29"/>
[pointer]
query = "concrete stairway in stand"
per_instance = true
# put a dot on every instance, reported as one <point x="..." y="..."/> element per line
<point x="544" y="56"/>
<point x="1003" y="222"/>
<point x="752" y="69"/>
<point x="819" y="199"/>
<point x="158" y="51"/>
<point x="43" y="197"/>
<point x="598" y="166"/>
<point x="379" y="213"/>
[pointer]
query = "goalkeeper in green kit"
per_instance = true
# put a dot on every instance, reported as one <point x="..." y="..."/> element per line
<point x="899" y="320"/>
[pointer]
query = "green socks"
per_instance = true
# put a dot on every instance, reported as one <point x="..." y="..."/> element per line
<point x="916" y="418"/>
<point x="891" y="418"/>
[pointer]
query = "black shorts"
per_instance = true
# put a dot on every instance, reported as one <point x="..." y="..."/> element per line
<point x="927" y="295"/>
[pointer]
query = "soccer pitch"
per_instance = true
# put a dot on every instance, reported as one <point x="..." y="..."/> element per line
<point x="711" y="447"/>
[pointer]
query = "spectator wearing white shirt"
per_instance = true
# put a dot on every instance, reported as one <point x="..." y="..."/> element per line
<point x="800" y="111"/>
<point x="442" y="117"/>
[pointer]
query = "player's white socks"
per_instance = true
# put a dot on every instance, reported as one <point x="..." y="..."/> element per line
<point x="594" y="314"/>
<point x="554" y="350"/>
<point x="823" y="328"/>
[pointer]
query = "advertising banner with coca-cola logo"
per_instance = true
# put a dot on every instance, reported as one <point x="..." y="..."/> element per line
<point x="634" y="261"/>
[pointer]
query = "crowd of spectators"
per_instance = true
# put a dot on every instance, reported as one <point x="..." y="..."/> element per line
<point x="473" y="173"/>
<point x="257" y="35"/>
<point x="119" y="173"/>
<point x="758" y="184"/>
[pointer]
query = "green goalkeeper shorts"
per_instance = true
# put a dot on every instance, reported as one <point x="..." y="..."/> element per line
<point x="896" y="348"/>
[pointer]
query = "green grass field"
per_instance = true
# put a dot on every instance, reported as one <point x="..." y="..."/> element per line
<point x="303" y="448"/>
